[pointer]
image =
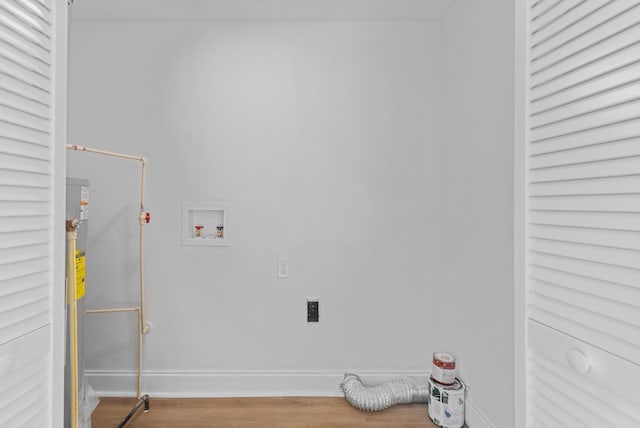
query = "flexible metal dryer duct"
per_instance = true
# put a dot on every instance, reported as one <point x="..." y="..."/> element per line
<point x="383" y="396"/>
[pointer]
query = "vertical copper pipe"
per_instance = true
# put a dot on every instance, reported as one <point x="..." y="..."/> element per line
<point x="139" y="313"/>
<point x="143" y="324"/>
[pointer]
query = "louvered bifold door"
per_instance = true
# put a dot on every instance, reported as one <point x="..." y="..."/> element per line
<point x="583" y="217"/>
<point x="25" y="196"/>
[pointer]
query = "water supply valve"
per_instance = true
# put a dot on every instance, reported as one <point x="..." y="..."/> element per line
<point x="145" y="217"/>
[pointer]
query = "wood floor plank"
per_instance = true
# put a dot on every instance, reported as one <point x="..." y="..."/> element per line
<point x="288" y="412"/>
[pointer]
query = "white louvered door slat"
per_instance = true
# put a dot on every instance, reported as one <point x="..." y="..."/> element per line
<point x="600" y="305"/>
<point x="572" y="125"/>
<point x="22" y="103"/>
<point x="595" y="288"/>
<point x="23" y="81"/>
<point x="591" y="100"/>
<point x="617" y="274"/>
<point x="545" y="13"/>
<point x="592" y="186"/>
<point x="26" y="207"/>
<point x="622" y="166"/>
<point x="599" y="50"/>
<point x="574" y="75"/>
<point x="626" y="75"/>
<point x="583" y="213"/>
<point x="595" y="153"/>
<point x="589" y="236"/>
<point x="593" y="29"/>
<point x="567" y="21"/>
<point x="596" y="220"/>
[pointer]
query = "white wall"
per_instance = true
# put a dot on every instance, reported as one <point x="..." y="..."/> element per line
<point x="478" y="61"/>
<point x="324" y="137"/>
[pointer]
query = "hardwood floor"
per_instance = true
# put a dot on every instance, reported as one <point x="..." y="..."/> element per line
<point x="297" y="412"/>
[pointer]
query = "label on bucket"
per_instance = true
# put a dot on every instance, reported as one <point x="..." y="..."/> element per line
<point x="446" y="404"/>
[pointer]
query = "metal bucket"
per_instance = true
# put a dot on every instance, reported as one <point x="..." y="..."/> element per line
<point x="446" y="404"/>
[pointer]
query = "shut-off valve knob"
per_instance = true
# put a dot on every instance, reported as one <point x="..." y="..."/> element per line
<point x="145" y="217"/>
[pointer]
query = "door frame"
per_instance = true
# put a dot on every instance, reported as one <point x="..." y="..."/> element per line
<point x="60" y="20"/>
<point x="521" y="71"/>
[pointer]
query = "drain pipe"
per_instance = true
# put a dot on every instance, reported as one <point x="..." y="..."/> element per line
<point x="381" y="397"/>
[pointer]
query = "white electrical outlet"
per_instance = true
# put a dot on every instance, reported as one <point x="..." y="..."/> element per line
<point x="283" y="268"/>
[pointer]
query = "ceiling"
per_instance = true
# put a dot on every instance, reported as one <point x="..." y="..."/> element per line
<point x="259" y="9"/>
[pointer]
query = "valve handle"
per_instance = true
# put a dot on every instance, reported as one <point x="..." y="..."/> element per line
<point x="145" y="217"/>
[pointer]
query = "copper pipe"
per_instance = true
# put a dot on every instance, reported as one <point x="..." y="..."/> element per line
<point x="141" y="218"/>
<point x="104" y="311"/>
<point x="103" y="152"/>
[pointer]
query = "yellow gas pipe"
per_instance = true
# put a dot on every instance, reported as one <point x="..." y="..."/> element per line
<point x="72" y="235"/>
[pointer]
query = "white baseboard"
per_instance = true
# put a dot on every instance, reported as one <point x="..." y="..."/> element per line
<point x="183" y="384"/>
<point x="474" y="417"/>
